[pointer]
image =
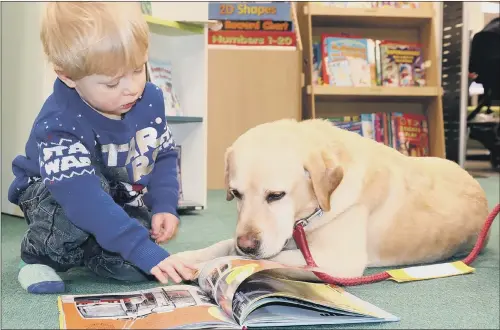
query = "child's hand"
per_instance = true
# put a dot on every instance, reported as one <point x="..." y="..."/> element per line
<point x="163" y="226"/>
<point x="173" y="267"/>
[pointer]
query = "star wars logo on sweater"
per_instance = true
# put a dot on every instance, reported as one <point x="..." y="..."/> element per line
<point x="135" y="152"/>
<point x="62" y="159"/>
<point x="66" y="158"/>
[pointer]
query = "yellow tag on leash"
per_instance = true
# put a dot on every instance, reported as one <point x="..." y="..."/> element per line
<point x="427" y="272"/>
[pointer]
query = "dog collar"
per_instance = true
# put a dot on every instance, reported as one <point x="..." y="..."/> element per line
<point x="305" y="221"/>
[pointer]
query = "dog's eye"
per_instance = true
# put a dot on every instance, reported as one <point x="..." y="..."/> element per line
<point x="236" y="193"/>
<point x="275" y="196"/>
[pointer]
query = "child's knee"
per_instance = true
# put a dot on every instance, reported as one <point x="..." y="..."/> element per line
<point x="52" y="239"/>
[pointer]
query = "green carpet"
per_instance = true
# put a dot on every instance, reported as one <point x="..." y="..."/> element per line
<point x="470" y="301"/>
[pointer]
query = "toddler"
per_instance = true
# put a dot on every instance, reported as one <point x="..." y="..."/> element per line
<point x="98" y="181"/>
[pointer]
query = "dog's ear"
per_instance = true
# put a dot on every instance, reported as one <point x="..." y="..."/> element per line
<point x="227" y="160"/>
<point x="325" y="176"/>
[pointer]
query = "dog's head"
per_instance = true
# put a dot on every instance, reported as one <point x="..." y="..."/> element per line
<point x="276" y="179"/>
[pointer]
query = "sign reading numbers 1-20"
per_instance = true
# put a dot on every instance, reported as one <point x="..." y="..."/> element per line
<point x="279" y="41"/>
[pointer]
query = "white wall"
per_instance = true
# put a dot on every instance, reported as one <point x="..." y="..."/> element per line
<point x="476" y="13"/>
<point x="26" y="82"/>
<point x="180" y="11"/>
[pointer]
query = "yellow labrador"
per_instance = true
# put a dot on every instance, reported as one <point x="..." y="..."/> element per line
<point x="380" y="207"/>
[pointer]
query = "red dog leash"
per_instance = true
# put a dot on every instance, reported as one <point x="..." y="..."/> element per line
<point x="300" y="239"/>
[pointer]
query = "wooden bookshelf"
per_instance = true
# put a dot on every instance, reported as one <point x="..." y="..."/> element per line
<point x="375" y="93"/>
<point x="407" y="25"/>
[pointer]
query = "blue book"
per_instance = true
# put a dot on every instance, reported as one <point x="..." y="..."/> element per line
<point x="278" y="11"/>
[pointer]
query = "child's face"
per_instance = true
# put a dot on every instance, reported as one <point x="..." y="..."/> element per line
<point x="111" y="95"/>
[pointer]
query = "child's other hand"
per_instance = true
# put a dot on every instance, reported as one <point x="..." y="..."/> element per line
<point x="163" y="226"/>
<point x="173" y="267"/>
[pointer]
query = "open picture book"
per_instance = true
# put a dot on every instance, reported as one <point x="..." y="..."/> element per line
<point x="230" y="292"/>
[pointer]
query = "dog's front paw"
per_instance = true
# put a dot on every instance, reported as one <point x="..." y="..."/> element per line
<point x="189" y="257"/>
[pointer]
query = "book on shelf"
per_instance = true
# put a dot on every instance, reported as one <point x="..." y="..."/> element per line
<point x="178" y="148"/>
<point x="352" y="61"/>
<point x="401" y="64"/>
<point x="252" y="24"/>
<point x="406" y="132"/>
<point x="231" y="293"/>
<point x="159" y="72"/>
<point x="348" y="61"/>
<point x="183" y="203"/>
<point x="317" y="65"/>
<point x="410" y="134"/>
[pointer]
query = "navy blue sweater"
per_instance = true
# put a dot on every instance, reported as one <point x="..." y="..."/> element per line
<point x="71" y="143"/>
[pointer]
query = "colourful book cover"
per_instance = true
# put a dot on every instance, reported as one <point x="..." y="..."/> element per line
<point x="411" y="134"/>
<point x="252" y="38"/>
<point x="346" y="61"/>
<point x="279" y="11"/>
<point x="401" y="64"/>
<point x="160" y="74"/>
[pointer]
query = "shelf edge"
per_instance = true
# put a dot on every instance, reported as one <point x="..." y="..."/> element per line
<point x="374" y="91"/>
<point x="183" y="119"/>
<point x="179" y="25"/>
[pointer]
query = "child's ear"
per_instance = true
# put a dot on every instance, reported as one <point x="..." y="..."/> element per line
<point x="65" y="79"/>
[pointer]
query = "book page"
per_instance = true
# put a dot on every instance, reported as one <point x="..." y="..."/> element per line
<point x="239" y="285"/>
<point x="260" y="288"/>
<point x="231" y="274"/>
<point x="267" y="288"/>
<point x="156" y="308"/>
<point x="211" y="272"/>
<point x="160" y="73"/>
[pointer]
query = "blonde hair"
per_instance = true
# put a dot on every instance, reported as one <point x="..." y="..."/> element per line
<point x="85" y="38"/>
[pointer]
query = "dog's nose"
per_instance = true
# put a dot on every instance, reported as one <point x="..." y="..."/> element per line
<point x="248" y="243"/>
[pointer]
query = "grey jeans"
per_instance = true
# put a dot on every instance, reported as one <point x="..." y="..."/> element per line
<point x="53" y="240"/>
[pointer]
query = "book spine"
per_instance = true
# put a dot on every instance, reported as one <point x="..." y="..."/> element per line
<point x="324" y="59"/>
<point x="386" y="129"/>
<point x="317" y="63"/>
<point x="367" y="126"/>
<point x="378" y="127"/>
<point x="252" y="38"/>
